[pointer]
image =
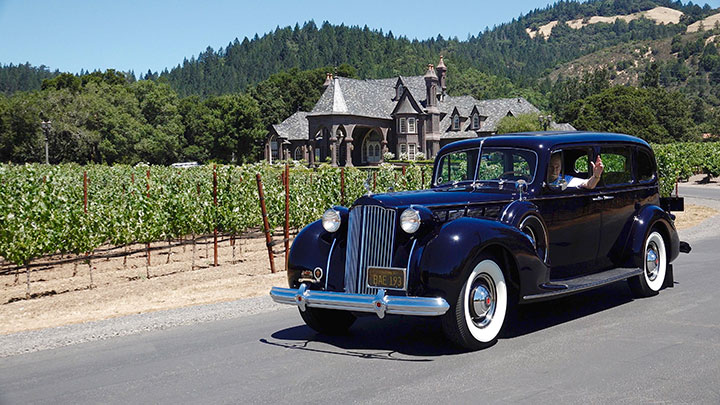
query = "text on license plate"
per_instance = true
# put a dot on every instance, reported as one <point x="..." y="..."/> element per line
<point x="386" y="277"/>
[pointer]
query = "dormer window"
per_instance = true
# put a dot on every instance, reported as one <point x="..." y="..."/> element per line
<point x="456" y="122"/>
<point x="476" y="121"/>
<point x="402" y="126"/>
<point x="399" y="92"/>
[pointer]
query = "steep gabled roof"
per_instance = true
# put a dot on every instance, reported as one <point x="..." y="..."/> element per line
<point x="295" y="127"/>
<point x="367" y="98"/>
<point x="496" y="109"/>
<point x="407" y="104"/>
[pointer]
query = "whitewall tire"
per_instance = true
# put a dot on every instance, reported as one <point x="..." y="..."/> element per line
<point x="654" y="267"/>
<point x="478" y="315"/>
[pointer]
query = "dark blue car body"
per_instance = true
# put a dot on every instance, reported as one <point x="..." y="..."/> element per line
<point x="546" y="240"/>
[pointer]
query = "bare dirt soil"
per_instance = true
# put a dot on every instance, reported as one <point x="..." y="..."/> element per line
<point x="61" y="294"/>
<point x="58" y="297"/>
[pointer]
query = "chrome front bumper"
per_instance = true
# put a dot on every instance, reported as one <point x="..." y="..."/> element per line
<point x="380" y="303"/>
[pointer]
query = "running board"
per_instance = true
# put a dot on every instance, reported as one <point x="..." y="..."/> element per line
<point x="575" y="285"/>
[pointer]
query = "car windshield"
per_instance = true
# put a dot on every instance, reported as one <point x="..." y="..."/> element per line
<point x="507" y="164"/>
<point x="496" y="164"/>
<point x="457" y="166"/>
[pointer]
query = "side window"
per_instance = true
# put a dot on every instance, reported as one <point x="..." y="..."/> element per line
<point x="570" y="164"/>
<point x="617" y="166"/>
<point x="645" y="166"/>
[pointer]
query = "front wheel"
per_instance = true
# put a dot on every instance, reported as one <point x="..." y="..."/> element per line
<point x="328" y="321"/>
<point x="478" y="314"/>
<point x="654" y="268"/>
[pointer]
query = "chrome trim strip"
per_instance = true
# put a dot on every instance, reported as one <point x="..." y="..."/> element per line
<point x="394" y="305"/>
<point x="407" y="273"/>
<point x="327" y="268"/>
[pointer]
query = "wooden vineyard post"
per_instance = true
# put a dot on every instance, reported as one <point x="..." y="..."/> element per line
<point x="85" y="210"/>
<point x="132" y="192"/>
<point x="85" y="191"/>
<point x="215" y="203"/>
<point x="342" y="186"/>
<point x="27" y="271"/>
<point x="147" y="245"/>
<point x="266" y="225"/>
<point x="405" y="177"/>
<point x="287" y="214"/>
<point x="422" y="177"/>
<point x="374" y="180"/>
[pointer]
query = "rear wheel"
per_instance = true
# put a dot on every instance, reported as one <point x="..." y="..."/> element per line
<point x="654" y="267"/>
<point x="476" y="318"/>
<point x="328" y="321"/>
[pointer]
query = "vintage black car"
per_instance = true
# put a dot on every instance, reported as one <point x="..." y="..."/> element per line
<point x="500" y="226"/>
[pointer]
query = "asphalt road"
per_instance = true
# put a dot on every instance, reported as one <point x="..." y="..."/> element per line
<point x="600" y="346"/>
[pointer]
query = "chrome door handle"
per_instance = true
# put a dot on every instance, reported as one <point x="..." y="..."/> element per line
<point x="598" y="198"/>
<point x="608" y="197"/>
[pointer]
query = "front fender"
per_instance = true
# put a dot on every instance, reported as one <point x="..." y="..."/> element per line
<point x="309" y="250"/>
<point x="446" y="258"/>
<point x="648" y="217"/>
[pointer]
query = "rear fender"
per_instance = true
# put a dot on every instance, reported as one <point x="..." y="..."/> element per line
<point x="648" y="217"/>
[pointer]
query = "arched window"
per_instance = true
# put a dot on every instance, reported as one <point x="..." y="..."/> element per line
<point x="298" y="154"/>
<point x="476" y="121"/>
<point x="371" y="147"/>
<point x="399" y="92"/>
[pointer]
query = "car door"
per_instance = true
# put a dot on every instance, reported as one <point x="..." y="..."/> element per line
<point x="620" y="191"/>
<point x="573" y="218"/>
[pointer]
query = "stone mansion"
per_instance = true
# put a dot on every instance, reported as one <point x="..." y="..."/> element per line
<point x="356" y="121"/>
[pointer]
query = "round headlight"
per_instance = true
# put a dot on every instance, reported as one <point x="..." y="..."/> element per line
<point x="331" y="220"/>
<point x="410" y="220"/>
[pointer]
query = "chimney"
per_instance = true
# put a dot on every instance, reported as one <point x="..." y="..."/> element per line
<point x="442" y="71"/>
<point x="328" y="80"/>
<point x="431" y="83"/>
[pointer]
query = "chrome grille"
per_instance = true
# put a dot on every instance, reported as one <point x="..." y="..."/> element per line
<point x="371" y="235"/>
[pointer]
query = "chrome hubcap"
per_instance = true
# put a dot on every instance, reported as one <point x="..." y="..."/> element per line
<point x="652" y="262"/>
<point x="482" y="300"/>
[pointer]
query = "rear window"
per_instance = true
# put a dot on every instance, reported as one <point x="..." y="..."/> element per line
<point x="645" y="166"/>
<point x="617" y="166"/>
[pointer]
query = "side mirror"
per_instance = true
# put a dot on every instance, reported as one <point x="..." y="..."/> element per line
<point x="558" y="185"/>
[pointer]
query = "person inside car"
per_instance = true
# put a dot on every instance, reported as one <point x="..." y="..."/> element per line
<point x="555" y="168"/>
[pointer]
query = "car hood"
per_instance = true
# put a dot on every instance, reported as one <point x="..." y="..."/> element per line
<point x="435" y="198"/>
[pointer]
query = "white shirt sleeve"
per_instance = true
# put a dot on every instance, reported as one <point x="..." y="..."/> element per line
<point x="575" y="182"/>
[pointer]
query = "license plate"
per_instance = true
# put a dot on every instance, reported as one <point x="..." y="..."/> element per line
<point x="386" y="277"/>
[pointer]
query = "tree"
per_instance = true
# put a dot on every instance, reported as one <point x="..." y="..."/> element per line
<point x="521" y="123"/>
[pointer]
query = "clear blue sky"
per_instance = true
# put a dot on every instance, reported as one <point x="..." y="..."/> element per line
<point x="70" y="35"/>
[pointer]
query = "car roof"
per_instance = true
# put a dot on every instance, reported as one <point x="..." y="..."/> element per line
<point x="544" y="140"/>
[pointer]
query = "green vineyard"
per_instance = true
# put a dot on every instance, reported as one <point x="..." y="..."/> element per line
<point x="50" y="209"/>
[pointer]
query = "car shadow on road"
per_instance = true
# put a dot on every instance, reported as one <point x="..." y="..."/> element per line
<point x="421" y="339"/>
